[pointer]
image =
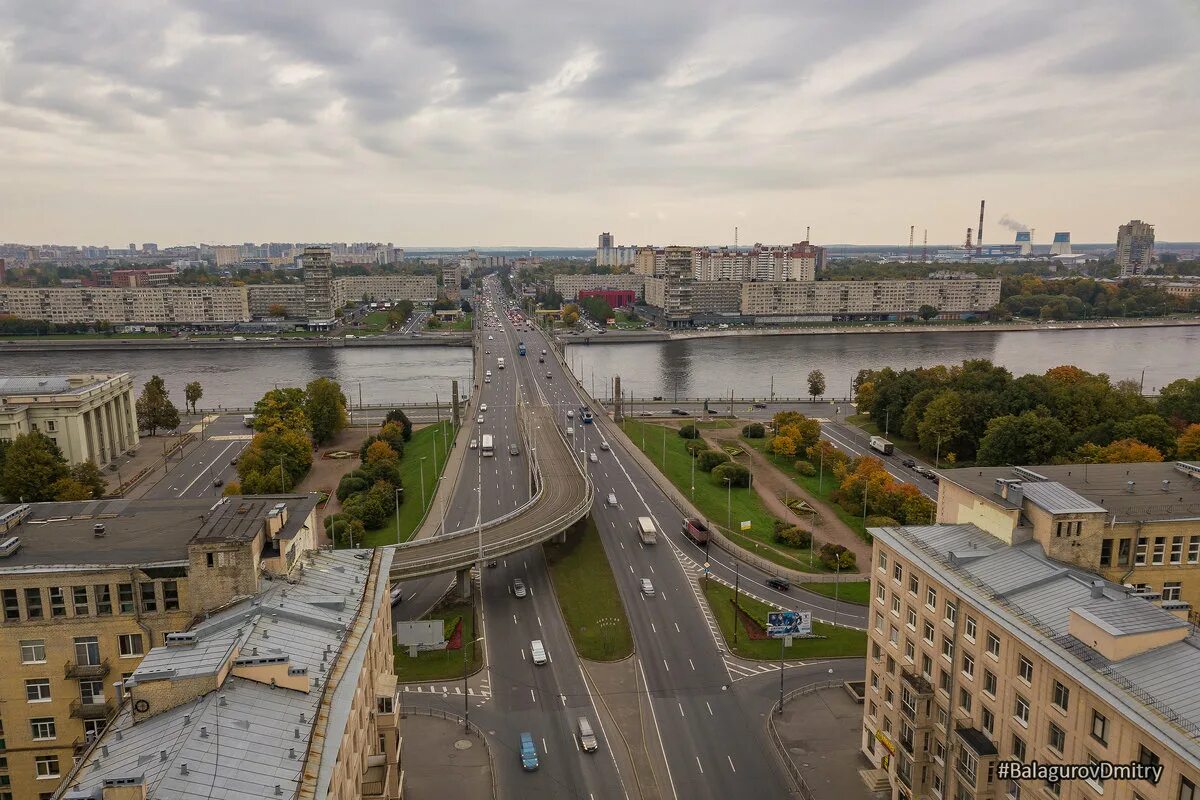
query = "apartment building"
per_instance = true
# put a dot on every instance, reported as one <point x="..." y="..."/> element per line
<point x="148" y="305"/>
<point x="452" y="275"/>
<point x="608" y="254"/>
<point x="262" y="296"/>
<point x="797" y="262"/>
<point x="133" y="278"/>
<point x="982" y="653"/>
<point x="1135" y="248"/>
<point x="569" y="286"/>
<point x="227" y="255"/>
<point x="1134" y="524"/>
<point x="649" y="262"/>
<point x="290" y="693"/>
<point x="797" y="301"/>
<point x="87" y="589"/>
<point x="320" y="304"/>
<point x="418" y="288"/>
<point x="91" y="417"/>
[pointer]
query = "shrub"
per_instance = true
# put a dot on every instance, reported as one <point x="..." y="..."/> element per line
<point x="708" y="459"/>
<point x="351" y="483"/>
<point x="341" y="528"/>
<point x="778" y="525"/>
<point x="689" y="432"/>
<point x="880" y="521"/>
<point x="754" y="430"/>
<point x="737" y="474"/>
<point x="805" y="468"/>
<point x="398" y="416"/>
<point x="794" y="536"/>
<point x="832" y="555"/>
<point x="696" y="446"/>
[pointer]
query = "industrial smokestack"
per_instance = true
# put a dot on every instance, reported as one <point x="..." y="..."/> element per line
<point x="979" y="231"/>
<point x="968" y="238"/>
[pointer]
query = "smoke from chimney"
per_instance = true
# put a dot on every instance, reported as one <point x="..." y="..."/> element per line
<point x="1012" y="224"/>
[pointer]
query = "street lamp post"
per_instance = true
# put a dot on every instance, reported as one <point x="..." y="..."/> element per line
<point x="398" y="491"/>
<point x="729" y="503"/>
<point x="737" y="580"/>
<point x="421" y="464"/>
<point x="466" y="697"/>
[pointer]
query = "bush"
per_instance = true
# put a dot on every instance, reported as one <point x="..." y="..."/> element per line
<point x="342" y="528"/>
<point x="737" y="474"/>
<point x="689" y="432"/>
<point x="708" y="459"/>
<point x="696" y="446"/>
<point x="754" y="430"/>
<point x="778" y="525"/>
<point x="880" y="521"/>
<point x="396" y="415"/>
<point x="351" y="483"/>
<point x="794" y="536"/>
<point x="832" y="555"/>
<point x="805" y="468"/>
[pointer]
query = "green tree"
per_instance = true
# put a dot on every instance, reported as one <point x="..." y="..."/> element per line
<point x="192" y="394"/>
<point x="1188" y="445"/>
<point x="263" y="457"/>
<point x="816" y="384"/>
<point x="1028" y="438"/>
<point x="927" y="312"/>
<point x="397" y="415"/>
<point x="736" y="474"/>
<point x="89" y="476"/>
<point x="1149" y="429"/>
<point x="570" y="313"/>
<point x="69" y="489"/>
<point x="707" y="460"/>
<point x="325" y="406"/>
<point x="154" y="407"/>
<point x="277" y="310"/>
<point x="1180" y="400"/>
<point x="689" y="432"/>
<point x="942" y="423"/>
<point x="783" y="446"/>
<point x="804" y="431"/>
<point x="754" y="430"/>
<point x="32" y="465"/>
<point x="282" y="409"/>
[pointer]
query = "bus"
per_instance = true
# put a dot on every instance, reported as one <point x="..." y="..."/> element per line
<point x="487" y="448"/>
<point x="500" y="363"/>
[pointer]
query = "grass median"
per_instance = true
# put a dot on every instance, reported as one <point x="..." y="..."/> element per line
<point x="587" y="593"/>
<point x="411" y="510"/>
<point x="846" y="592"/>
<point x="443" y="665"/>
<point x="724" y="507"/>
<point x="838" y="642"/>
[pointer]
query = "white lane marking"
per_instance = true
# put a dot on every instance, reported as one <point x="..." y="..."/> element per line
<point x="698" y="764"/>
<point x="532" y="696"/>
<point x="677" y="628"/>
<point x="522" y="653"/>
<point x="545" y="749"/>
<point x="693" y="665"/>
<point x="731" y="766"/>
<point x="654" y="716"/>
<point x="652" y="628"/>
<point x="681" y="710"/>
<point x="710" y="711"/>
<point x="665" y="664"/>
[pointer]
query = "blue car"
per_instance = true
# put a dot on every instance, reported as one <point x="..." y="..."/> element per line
<point x="529" y="757"/>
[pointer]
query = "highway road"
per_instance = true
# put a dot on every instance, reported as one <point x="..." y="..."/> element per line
<point x="223" y="438"/>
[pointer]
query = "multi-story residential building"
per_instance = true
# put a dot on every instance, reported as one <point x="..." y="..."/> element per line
<point x="797" y="262"/>
<point x="452" y="276"/>
<point x="569" y="286"/>
<point x="1135" y="524"/>
<point x="320" y="305"/>
<point x="227" y="255"/>
<point x="1135" y="248"/>
<point x="89" y="417"/>
<point x="418" y="288"/>
<point x="188" y="305"/>
<point x="263" y="296"/>
<point x="609" y="255"/>
<point x="796" y="301"/>
<point x="88" y="588"/>
<point x="982" y="653"/>
<point x="617" y="298"/>
<point x="287" y="693"/>
<point x="133" y="278"/>
<point x="650" y="262"/>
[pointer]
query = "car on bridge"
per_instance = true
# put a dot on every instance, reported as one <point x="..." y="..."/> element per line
<point x="513" y="450"/>
<point x="548" y="377"/>
<point x="479" y="419"/>
<point x="473" y="444"/>
<point x="483" y="406"/>
<point x="612" y="498"/>
<point x="604" y="446"/>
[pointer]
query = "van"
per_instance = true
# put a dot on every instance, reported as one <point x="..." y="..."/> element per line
<point x="587" y="737"/>
<point x="538" y="651"/>
<point x="529" y="756"/>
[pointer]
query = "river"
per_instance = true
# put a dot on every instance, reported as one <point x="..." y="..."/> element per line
<point x="683" y="368"/>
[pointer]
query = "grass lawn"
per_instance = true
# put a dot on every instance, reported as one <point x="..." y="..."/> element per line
<point x="411" y="510"/>
<point x="815" y="485"/>
<point x="443" y="665"/>
<point x="849" y="591"/>
<point x="712" y="500"/>
<point x="714" y="424"/>
<point x="839" y="642"/>
<point x="587" y="592"/>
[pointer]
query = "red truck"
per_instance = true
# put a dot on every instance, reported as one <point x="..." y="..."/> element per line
<point x="695" y="529"/>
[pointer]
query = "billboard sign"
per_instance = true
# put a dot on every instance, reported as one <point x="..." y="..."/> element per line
<point x="789" y="623"/>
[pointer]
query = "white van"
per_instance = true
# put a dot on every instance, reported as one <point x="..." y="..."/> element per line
<point x="538" y="651"/>
<point x="587" y="737"/>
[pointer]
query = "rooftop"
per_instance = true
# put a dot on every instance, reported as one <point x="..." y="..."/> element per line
<point x="25" y="385"/>
<point x="248" y="738"/>
<point x="140" y="532"/>
<point x="1035" y="596"/>
<point x="1159" y="491"/>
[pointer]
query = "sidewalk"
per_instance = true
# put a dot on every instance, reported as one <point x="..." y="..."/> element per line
<point x="437" y="755"/>
<point x="822" y="732"/>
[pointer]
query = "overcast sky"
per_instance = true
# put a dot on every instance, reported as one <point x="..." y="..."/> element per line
<point x="475" y="122"/>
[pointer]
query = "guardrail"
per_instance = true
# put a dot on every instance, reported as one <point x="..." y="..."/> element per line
<point x="471" y="727"/>
<point x="793" y="771"/>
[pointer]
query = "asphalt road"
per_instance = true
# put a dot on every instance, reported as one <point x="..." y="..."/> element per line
<point x="223" y="439"/>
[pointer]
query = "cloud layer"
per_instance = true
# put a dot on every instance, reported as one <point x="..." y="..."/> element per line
<point x="542" y="123"/>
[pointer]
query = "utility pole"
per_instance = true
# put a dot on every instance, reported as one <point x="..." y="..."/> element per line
<point x="736" y="586"/>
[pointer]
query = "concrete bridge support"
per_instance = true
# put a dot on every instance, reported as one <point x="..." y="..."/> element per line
<point x="464" y="583"/>
<point x="560" y="538"/>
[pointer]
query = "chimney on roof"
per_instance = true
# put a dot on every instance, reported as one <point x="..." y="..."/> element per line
<point x="183" y="768"/>
<point x="1097" y="590"/>
<point x="162" y="755"/>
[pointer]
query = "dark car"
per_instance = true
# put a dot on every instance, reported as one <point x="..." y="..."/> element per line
<point x="218" y="482"/>
<point x="908" y="462"/>
<point x="679" y="412"/>
<point x="781" y="584"/>
<point x="760" y="405"/>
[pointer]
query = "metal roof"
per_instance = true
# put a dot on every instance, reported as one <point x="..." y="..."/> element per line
<point x="34" y="384"/>
<point x="1058" y="499"/>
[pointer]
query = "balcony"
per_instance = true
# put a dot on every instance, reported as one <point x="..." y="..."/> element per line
<point x="86" y="671"/>
<point x="377" y="777"/>
<point x="102" y="710"/>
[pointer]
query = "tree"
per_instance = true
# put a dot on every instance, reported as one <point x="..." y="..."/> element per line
<point x="570" y="313"/>
<point x="88" y="475"/>
<point x="32" y="464"/>
<point x="231" y="489"/>
<point x="397" y="415"/>
<point x="783" y="446"/>
<point x="689" y="432"/>
<point x="325" y="406"/>
<point x="864" y="395"/>
<point x="707" y="460"/>
<point x="154" y="408"/>
<point x="262" y="459"/>
<point x="1150" y="429"/>
<point x="69" y="489"/>
<point x="1188" y="444"/>
<point x="816" y="383"/>
<point x="277" y="310"/>
<point x="942" y="423"/>
<point x="1028" y="438"/>
<point x="192" y="393"/>
<point x="733" y="473"/>
<point x="1123" y="451"/>
<point x="927" y="312"/>
<point x="754" y="430"/>
<point x="804" y="431"/>
<point x="380" y="451"/>
<point x="282" y="409"/>
<point x="1180" y="400"/>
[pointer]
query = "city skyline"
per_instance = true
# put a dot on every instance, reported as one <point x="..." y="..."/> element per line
<point x="212" y="123"/>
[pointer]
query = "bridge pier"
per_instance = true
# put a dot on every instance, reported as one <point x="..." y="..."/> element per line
<point x="560" y="538"/>
<point x="463" y="588"/>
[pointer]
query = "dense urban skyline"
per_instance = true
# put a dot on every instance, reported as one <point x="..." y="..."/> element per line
<point x="459" y="126"/>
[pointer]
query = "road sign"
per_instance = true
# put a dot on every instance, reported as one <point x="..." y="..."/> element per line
<point x="745" y="524"/>
<point x="789" y="623"/>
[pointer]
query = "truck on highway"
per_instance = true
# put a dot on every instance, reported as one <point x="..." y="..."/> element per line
<point x="695" y="529"/>
<point x="520" y="348"/>
<point x="248" y="420"/>
<point x="646" y="530"/>
<point x="488" y="448"/>
<point x="882" y="445"/>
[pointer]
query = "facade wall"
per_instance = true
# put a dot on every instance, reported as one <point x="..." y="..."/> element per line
<point x="149" y="305"/>
<point x="937" y="663"/>
<point x="569" y="286"/>
<point x="418" y="288"/>
<point x="261" y="297"/>
<point x="97" y="424"/>
<point x="868" y="298"/>
<point x="716" y="297"/>
<point x="320" y="305"/>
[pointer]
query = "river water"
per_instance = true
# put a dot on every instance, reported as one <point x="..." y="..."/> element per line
<point x="683" y="368"/>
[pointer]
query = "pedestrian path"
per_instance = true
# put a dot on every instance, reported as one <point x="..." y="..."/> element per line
<point x="484" y="692"/>
<point x="747" y="669"/>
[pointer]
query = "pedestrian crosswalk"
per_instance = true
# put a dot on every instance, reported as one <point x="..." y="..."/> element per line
<point x="447" y="689"/>
<point x="745" y="669"/>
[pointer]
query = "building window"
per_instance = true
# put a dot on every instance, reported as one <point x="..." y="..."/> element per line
<point x="989" y="721"/>
<point x="103" y="599"/>
<point x="1018" y="748"/>
<point x="125" y="597"/>
<point x="42" y="728"/>
<point x="37" y="690"/>
<point x="1123" y="547"/>
<point x="130" y="645"/>
<point x="931" y="597"/>
<point x="1099" y="727"/>
<point x="58" y="602"/>
<point x="875" y="651"/>
<point x="1147" y="756"/>
<point x="1106" y="551"/>
<point x="969" y="628"/>
<point x="926" y="666"/>
<point x="149" y="600"/>
<point x="1054" y="788"/>
<point x="875" y="681"/>
<point x="47" y="766"/>
<point x="1160" y="549"/>
<point x="913" y="584"/>
<point x="948" y="649"/>
<point x="891" y="665"/>
<point x="910" y="652"/>
<point x="1062" y="696"/>
<point x="878" y="622"/>
<point x="1096" y="783"/>
<point x="1012" y="790"/>
<point x="989" y="682"/>
<point x="896" y="604"/>
<point x="33" y="651"/>
<point x="880" y="591"/>
<point x="1187" y="789"/>
<point x="1057" y="738"/>
<point x="93" y="728"/>
<point x="33" y="603"/>
<point x="939" y="751"/>
<point x="1021" y="710"/>
<point x="1139" y="557"/>
<point x="1171" y="590"/>
<point x="91" y="692"/>
<point x="1177" y="550"/>
<point x="893" y="635"/>
<point x="967" y="765"/>
<point x="964" y="700"/>
<point x="87" y="651"/>
<point x="898" y="573"/>
<point x="951" y="612"/>
<point x="79" y="600"/>
<point x="912" y="619"/>
<point x="1025" y="669"/>
<point x="993" y="645"/>
<point x="944" y="681"/>
<point x="12" y="607"/>
<point x="968" y="665"/>
<point x="883" y="559"/>
<point x="1194" y="550"/>
<point x="928" y="633"/>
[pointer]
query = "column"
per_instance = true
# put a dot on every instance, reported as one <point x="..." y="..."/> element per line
<point x="89" y="437"/>
<point x="114" y="437"/>
<point x="114" y="412"/>
<point x="130" y="418"/>
<point x="81" y="442"/>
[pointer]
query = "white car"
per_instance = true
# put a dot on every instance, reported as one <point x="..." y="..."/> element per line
<point x="592" y="458"/>
<point x="570" y="431"/>
<point x="479" y="419"/>
<point x="473" y="444"/>
<point x="612" y="498"/>
<point x="570" y="415"/>
<point x="538" y="651"/>
<point x="490" y="337"/>
<point x="488" y="379"/>
<point x="604" y="446"/>
<point x="647" y="587"/>
<point x="483" y="406"/>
